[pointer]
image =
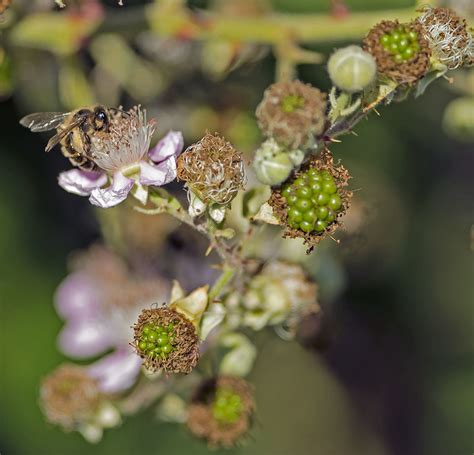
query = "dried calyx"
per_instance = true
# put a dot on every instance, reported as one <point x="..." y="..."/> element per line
<point x="212" y="169"/>
<point x="221" y="411"/>
<point x="292" y="113"/>
<point x="311" y="203"/>
<point x="450" y="40"/>
<point x="69" y="397"/>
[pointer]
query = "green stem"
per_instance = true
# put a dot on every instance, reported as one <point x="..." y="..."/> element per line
<point x="221" y="283"/>
<point x="166" y="203"/>
<point x="268" y="29"/>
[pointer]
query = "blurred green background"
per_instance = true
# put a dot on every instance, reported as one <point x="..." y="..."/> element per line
<point x="396" y="375"/>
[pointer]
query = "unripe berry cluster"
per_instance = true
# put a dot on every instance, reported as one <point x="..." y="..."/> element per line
<point x="401" y="43"/>
<point x="221" y="410"/>
<point x="157" y="340"/>
<point x="401" y="51"/>
<point x="166" y="340"/>
<point x="227" y="406"/>
<point x="313" y="201"/>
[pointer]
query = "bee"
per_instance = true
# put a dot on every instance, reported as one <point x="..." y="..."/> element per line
<point x="74" y="130"/>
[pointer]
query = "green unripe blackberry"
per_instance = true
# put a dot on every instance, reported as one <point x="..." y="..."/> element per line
<point x="401" y="43"/>
<point x="401" y="51"/>
<point x="221" y="410"/>
<point x="156" y="340"/>
<point x="227" y="406"/>
<point x="166" y="340"/>
<point x="312" y="200"/>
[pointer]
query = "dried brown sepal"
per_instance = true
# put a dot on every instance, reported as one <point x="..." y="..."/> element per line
<point x="213" y="169"/>
<point x="407" y="72"/>
<point x="292" y="124"/>
<point x="69" y="396"/>
<point x="341" y="177"/>
<point x="449" y="36"/>
<point x="200" y="418"/>
<point x="185" y="354"/>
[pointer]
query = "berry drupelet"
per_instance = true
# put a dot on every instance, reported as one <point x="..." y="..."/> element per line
<point x="313" y="201"/>
<point x="401" y="42"/>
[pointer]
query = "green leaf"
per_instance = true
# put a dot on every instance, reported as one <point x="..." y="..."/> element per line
<point x="423" y="84"/>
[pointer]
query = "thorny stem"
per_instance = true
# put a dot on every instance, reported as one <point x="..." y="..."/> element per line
<point x="165" y="203"/>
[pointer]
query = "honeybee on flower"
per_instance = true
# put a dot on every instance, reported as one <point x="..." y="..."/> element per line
<point x="117" y="151"/>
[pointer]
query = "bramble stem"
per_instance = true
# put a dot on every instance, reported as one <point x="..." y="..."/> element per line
<point x="270" y="28"/>
<point x="164" y="202"/>
<point x="221" y="283"/>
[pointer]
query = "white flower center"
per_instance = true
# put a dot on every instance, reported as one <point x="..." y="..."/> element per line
<point x="125" y="144"/>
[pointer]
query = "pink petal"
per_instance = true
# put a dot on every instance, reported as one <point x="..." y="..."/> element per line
<point x="170" y="145"/>
<point x="77" y="297"/>
<point x="114" y="194"/>
<point x="86" y="338"/>
<point x="81" y="182"/>
<point x="158" y="174"/>
<point x="117" y="371"/>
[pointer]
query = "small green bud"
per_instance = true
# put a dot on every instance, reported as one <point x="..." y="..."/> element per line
<point x="271" y="164"/>
<point x="352" y="69"/>
<point x="458" y="118"/>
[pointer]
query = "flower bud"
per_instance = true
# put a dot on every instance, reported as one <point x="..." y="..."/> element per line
<point x="280" y="293"/>
<point x="458" y="118"/>
<point x="352" y="69"/>
<point x="272" y="165"/>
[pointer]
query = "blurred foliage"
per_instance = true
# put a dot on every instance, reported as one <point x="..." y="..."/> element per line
<point x="398" y="378"/>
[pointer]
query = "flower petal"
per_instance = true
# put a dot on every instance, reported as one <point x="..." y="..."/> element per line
<point x="114" y="194"/>
<point x="117" y="371"/>
<point x="171" y="145"/>
<point x="82" y="339"/>
<point x="81" y="182"/>
<point x="77" y="297"/>
<point x="158" y="174"/>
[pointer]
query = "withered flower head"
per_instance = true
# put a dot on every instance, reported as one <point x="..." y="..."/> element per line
<point x="68" y="396"/>
<point x="291" y="112"/>
<point x="221" y="411"/>
<point x="166" y="340"/>
<point x="213" y="169"/>
<point x="401" y="51"/>
<point x="311" y="204"/>
<point x="448" y="36"/>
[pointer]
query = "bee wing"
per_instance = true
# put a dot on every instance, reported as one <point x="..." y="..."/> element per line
<point x="43" y="121"/>
<point x="57" y="138"/>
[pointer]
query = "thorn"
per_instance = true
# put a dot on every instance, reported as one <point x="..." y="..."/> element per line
<point x="336" y="240"/>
